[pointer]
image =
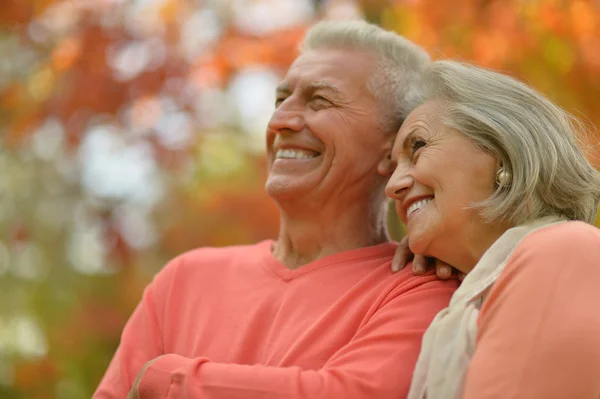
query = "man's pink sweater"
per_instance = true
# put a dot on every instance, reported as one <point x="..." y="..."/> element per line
<point x="233" y="322"/>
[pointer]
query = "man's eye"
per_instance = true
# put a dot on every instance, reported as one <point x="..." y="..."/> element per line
<point x="321" y="99"/>
<point x="278" y="101"/>
<point x="319" y="102"/>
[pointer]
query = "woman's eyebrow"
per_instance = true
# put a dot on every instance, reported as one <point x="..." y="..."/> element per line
<point x="407" y="140"/>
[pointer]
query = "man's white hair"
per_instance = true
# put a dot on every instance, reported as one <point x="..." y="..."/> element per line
<point x="397" y="81"/>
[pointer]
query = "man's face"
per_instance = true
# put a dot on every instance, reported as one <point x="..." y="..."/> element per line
<point x="325" y="138"/>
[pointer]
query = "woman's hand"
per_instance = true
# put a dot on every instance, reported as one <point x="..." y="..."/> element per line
<point x="420" y="263"/>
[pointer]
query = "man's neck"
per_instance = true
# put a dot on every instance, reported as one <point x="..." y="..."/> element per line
<point x="304" y="240"/>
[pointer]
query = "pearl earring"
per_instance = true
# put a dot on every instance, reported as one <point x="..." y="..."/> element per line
<point x="503" y="177"/>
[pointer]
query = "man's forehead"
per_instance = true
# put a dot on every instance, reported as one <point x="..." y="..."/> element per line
<point x="329" y="67"/>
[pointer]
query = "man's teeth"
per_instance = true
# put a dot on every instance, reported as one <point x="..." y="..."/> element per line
<point x="294" y="154"/>
<point x="418" y="205"/>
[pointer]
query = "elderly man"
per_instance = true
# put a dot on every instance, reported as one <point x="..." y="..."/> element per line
<point x="317" y="312"/>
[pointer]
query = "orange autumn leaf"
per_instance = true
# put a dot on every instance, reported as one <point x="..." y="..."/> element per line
<point x="34" y="373"/>
<point x="15" y="12"/>
<point x="66" y="53"/>
<point x="12" y="97"/>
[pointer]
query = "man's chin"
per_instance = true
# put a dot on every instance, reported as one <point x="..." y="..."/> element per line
<point x="285" y="188"/>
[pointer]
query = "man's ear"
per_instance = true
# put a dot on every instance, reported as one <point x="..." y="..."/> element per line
<point x="386" y="166"/>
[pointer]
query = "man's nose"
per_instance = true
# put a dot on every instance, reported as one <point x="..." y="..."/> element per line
<point x="287" y="118"/>
<point x="400" y="182"/>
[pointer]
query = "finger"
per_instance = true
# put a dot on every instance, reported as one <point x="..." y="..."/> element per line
<point x="419" y="265"/>
<point x="442" y="270"/>
<point x="461" y="276"/>
<point x="399" y="261"/>
<point x="402" y="255"/>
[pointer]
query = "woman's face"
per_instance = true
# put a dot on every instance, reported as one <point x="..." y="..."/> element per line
<point x="439" y="175"/>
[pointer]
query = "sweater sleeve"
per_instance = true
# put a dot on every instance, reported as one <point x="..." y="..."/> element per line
<point x="377" y="363"/>
<point x="140" y="341"/>
<point x="539" y="331"/>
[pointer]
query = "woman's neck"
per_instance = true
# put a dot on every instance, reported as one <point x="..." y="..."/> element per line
<point x="468" y="253"/>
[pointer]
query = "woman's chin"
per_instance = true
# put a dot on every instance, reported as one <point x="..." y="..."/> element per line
<point x="416" y="244"/>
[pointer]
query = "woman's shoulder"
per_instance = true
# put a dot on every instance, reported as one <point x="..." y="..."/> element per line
<point x="550" y="250"/>
<point x="549" y="263"/>
<point x="562" y="238"/>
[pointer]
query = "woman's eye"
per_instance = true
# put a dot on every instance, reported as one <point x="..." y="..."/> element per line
<point x="417" y="144"/>
<point x="278" y="101"/>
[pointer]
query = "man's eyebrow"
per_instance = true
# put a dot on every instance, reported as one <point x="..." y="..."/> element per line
<point x="321" y="84"/>
<point x="283" y="88"/>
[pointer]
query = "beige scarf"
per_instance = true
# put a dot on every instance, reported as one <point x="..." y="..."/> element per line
<point x="449" y="342"/>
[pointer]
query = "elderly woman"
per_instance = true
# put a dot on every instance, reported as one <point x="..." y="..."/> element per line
<point x="490" y="179"/>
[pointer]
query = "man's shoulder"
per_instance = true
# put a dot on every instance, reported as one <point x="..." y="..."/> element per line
<point x="226" y="252"/>
<point x="209" y="258"/>
<point x="407" y="285"/>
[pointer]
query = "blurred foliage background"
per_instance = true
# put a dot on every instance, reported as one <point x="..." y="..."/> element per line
<point x="132" y="130"/>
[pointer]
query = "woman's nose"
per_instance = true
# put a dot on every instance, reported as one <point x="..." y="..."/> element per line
<point x="399" y="183"/>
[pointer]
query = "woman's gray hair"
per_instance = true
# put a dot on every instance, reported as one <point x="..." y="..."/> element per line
<point x="532" y="137"/>
<point x="397" y="81"/>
